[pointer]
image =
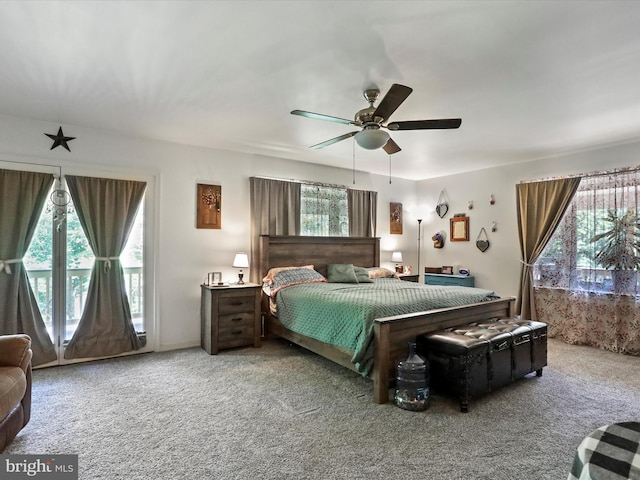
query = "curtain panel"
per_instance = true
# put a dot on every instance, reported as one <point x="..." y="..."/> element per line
<point x="22" y="197"/>
<point x="106" y="209"/>
<point x="275" y="210"/>
<point x="363" y="213"/>
<point x="602" y="320"/>
<point x="540" y="207"/>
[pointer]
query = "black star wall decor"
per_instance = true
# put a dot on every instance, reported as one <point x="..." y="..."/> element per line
<point x="59" y="139"/>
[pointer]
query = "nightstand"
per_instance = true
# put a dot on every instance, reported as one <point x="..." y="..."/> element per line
<point x="444" y="279"/>
<point x="409" y="277"/>
<point x="230" y="317"/>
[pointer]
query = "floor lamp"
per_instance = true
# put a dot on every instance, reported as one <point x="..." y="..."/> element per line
<point x="419" y="222"/>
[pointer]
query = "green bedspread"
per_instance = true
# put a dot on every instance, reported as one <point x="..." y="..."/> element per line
<point x="342" y="314"/>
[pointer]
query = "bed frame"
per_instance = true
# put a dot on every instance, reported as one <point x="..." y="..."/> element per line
<point x="391" y="334"/>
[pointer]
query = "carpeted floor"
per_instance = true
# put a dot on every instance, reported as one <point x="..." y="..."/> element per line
<point x="279" y="412"/>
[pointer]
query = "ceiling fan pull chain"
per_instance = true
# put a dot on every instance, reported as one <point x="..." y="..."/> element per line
<point x="353" y="143"/>
<point x="389" y="169"/>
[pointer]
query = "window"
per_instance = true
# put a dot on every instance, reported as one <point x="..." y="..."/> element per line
<point x="595" y="247"/>
<point x="323" y="211"/>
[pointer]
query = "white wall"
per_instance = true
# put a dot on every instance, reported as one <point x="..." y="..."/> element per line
<point x="184" y="254"/>
<point x="498" y="268"/>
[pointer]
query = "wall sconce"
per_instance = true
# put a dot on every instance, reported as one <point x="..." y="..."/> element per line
<point x="241" y="260"/>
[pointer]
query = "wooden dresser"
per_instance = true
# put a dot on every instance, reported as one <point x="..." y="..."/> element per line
<point x="230" y="317"/>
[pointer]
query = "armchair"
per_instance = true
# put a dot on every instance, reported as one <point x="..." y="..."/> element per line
<point x="15" y="385"/>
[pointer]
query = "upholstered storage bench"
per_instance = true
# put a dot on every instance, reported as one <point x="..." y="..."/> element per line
<point x="529" y="343"/>
<point x="475" y="359"/>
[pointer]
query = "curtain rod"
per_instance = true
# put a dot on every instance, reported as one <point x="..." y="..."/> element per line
<point x="58" y="167"/>
<point x="599" y="173"/>
<point x="304" y="182"/>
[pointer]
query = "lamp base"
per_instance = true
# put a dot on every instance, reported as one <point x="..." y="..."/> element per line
<point x="240" y="281"/>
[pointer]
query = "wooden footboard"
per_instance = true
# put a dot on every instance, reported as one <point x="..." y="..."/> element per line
<point x="392" y="335"/>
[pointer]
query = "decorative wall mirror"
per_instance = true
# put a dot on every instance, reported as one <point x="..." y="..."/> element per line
<point x="459" y="227"/>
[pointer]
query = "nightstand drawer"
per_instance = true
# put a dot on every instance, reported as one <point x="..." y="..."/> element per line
<point x="236" y="303"/>
<point x="240" y="319"/>
<point x="235" y="332"/>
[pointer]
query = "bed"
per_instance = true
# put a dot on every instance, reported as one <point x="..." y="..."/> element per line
<point x="390" y="334"/>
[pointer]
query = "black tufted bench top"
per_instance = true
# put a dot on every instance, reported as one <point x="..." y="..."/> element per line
<point x="475" y="359"/>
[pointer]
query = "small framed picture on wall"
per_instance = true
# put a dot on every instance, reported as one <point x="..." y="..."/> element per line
<point x="209" y="206"/>
<point x="395" y="218"/>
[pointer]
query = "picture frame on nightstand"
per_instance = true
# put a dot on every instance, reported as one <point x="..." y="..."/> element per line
<point x="214" y="279"/>
<point x="447" y="270"/>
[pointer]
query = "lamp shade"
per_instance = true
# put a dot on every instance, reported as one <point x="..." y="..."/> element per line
<point x="396" y="257"/>
<point x="241" y="260"/>
<point x="371" y="139"/>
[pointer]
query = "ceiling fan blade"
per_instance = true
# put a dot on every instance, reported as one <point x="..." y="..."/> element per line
<point x="391" y="147"/>
<point x="333" y="140"/>
<point x="320" y="116"/>
<point x="426" y="124"/>
<point x="392" y="100"/>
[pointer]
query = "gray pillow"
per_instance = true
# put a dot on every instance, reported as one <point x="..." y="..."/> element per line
<point x="362" y="274"/>
<point x="341" y="273"/>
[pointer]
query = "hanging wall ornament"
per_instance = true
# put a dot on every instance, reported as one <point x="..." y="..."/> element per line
<point x="438" y="240"/>
<point x="59" y="204"/>
<point x="470" y="205"/>
<point x="482" y="244"/>
<point x="59" y="139"/>
<point x="494" y="227"/>
<point x="492" y="200"/>
<point x="443" y="207"/>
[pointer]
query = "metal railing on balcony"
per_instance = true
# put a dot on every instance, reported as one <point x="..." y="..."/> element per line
<point x="77" y="284"/>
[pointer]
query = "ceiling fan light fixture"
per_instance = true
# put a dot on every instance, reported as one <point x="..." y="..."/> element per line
<point x="371" y="139"/>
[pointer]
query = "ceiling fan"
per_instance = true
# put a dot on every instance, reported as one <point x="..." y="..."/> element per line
<point x="374" y="119"/>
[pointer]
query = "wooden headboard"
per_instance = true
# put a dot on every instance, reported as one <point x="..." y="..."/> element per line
<point x="290" y="251"/>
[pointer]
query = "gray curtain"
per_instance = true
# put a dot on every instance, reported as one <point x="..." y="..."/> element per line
<point x="540" y="206"/>
<point x="275" y="210"/>
<point x="363" y="207"/>
<point x="22" y="196"/>
<point x="106" y="209"/>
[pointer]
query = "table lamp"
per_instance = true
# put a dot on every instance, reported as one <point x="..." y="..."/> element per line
<point x="397" y="257"/>
<point x="241" y="260"/>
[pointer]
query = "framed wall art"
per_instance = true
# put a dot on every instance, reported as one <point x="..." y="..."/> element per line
<point x="395" y="219"/>
<point x="209" y="206"/>
<point x="459" y="229"/>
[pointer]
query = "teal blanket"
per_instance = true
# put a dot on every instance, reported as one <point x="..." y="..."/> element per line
<point x="342" y="314"/>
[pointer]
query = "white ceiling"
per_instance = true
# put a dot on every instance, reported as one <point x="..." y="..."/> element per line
<point x="529" y="79"/>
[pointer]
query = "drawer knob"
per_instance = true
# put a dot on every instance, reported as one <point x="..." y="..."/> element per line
<point x="236" y="319"/>
<point x="236" y="332"/>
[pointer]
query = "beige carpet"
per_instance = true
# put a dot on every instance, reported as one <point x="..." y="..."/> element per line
<point x="281" y="412"/>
